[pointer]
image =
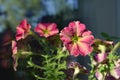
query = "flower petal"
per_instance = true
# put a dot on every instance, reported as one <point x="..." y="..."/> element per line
<point x="14" y="47"/>
<point x="87" y="39"/>
<point x="100" y="57"/>
<point x="20" y="33"/>
<point x="52" y="26"/>
<point x="66" y="35"/>
<point x="74" y="50"/>
<point x="46" y="29"/>
<point x="25" y="25"/>
<point x="77" y="39"/>
<point x="87" y="33"/>
<point x="85" y="49"/>
<point x="80" y="28"/>
<point x="99" y="75"/>
<point x="116" y="73"/>
<point x="22" y="30"/>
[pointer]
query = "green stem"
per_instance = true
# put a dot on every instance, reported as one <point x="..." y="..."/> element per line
<point x="37" y="38"/>
<point x="40" y="41"/>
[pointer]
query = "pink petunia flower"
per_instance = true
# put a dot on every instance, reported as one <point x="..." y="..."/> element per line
<point x="14" y="50"/>
<point x="100" y="57"/>
<point x="22" y="30"/>
<point x="46" y="29"/>
<point x="116" y="73"/>
<point x="77" y="39"/>
<point x="99" y="75"/>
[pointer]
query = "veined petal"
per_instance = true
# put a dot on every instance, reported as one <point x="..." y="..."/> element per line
<point x="28" y="27"/>
<point x="39" y="30"/>
<point x="77" y="37"/>
<point x="85" y="49"/>
<point x="52" y="26"/>
<point x="65" y="35"/>
<point x="72" y="27"/>
<point x="87" y="33"/>
<point x="73" y="49"/>
<point x="53" y="32"/>
<point x="116" y="73"/>
<point x="46" y="29"/>
<point x="41" y="26"/>
<point x="20" y="33"/>
<point x="65" y="39"/>
<point x="100" y="57"/>
<point x="87" y="39"/>
<point x="14" y="47"/>
<point x="99" y="75"/>
<point x="80" y="28"/>
<point x="22" y="30"/>
<point x="23" y="24"/>
<point x="14" y="50"/>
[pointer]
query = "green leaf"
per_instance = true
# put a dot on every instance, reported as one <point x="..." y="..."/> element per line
<point x="105" y="35"/>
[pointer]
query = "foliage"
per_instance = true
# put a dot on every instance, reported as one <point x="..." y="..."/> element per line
<point x="46" y="52"/>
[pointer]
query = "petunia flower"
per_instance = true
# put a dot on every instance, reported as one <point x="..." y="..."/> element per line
<point x="99" y="75"/>
<point x="77" y="39"/>
<point x="46" y="29"/>
<point x="73" y="69"/>
<point x="100" y="57"/>
<point x="14" y="50"/>
<point x="116" y="73"/>
<point x="77" y="68"/>
<point x="22" y="30"/>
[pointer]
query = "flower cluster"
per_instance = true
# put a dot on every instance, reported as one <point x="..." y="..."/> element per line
<point x="104" y="60"/>
<point x="53" y="48"/>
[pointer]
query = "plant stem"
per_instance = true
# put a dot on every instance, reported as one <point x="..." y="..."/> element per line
<point x="46" y="49"/>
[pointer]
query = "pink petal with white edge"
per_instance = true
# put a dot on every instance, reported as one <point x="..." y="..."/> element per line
<point x="116" y="73"/>
<point x="65" y="35"/>
<point x="74" y="50"/>
<point x="52" y="26"/>
<point x="53" y="32"/>
<point x="46" y="29"/>
<point x="20" y="33"/>
<point x="72" y="27"/>
<point x="85" y="49"/>
<point x="87" y="39"/>
<point x="38" y="30"/>
<point x="87" y="33"/>
<point x="14" y="47"/>
<point x="99" y="75"/>
<point x="80" y="28"/>
<point x="41" y="26"/>
<point x="25" y="25"/>
<point x="100" y="57"/>
<point x="22" y="30"/>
